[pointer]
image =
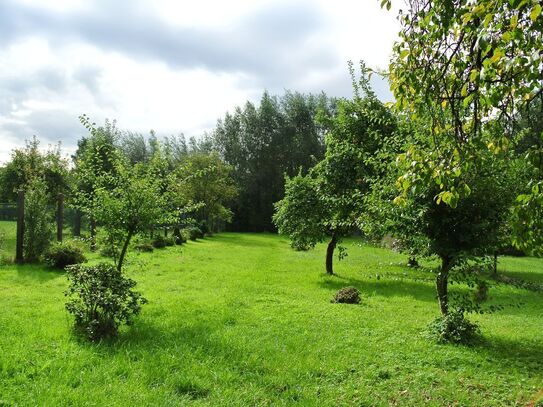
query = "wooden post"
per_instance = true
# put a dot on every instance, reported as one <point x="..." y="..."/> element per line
<point x="20" y="226"/>
<point x="60" y="217"/>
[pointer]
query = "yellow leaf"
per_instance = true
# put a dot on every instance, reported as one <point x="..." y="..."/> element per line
<point x="464" y="90"/>
<point x="536" y="11"/>
<point x="514" y="21"/>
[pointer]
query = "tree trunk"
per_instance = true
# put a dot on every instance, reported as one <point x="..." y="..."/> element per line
<point x="330" y="254"/>
<point x="124" y="250"/>
<point x="93" y="233"/>
<point x="412" y="262"/>
<point x="77" y="223"/>
<point x="442" y="281"/>
<point x="495" y="265"/>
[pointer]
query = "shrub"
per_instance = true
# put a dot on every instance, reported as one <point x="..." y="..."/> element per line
<point x="159" y="241"/>
<point x="38" y="221"/>
<point x="101" y="299"/>
<point x="144" y="246"/>
<point x="481" y="292"/>
<point x="347" y="295"/>
<point x="61" y="255"/>
<point x="169" y="241"/>
<point x="108" y="251"/>
<point x="453" y="328"/>
<point x="185" y="235"/>
<point x="194" y="233"/>
<point x="179" y="237"/>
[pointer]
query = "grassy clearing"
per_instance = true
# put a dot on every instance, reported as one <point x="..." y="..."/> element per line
<point x="241" y="319"/>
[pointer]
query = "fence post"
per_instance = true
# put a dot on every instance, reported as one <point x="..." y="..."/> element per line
<point x="20" y="226"/>
<point x="60" y="216"/>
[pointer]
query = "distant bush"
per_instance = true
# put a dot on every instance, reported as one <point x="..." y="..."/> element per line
<point x="204" y="228"/>
<point x="194" y="233"/>
<point x="158" y="241"/>
<point x="481" y="292"/>
<point x="170" y="241"/>
<point x="347" y="295"/>
<point x="144" y="246"/>
<point x="108" y="251"/>
<point x="101" y="299"/>
<point x="38" y="231"/>
<point x="453" y="328"/>
<point x="61" y="255"/>
<point x="185" y="235"/>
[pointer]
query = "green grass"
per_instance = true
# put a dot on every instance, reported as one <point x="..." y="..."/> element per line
<point x="241" y="319"/>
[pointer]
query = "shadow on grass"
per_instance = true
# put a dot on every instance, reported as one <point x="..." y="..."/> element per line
<point x="244" y="241"/>
<point x="423" y="291"/>
<point x="37" y="272"/>
<point x="512" y="355"/>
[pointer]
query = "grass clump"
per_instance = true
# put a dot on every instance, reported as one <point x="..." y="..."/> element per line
<point x="347" y="295"/>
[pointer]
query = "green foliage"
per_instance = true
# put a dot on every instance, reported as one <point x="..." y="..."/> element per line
<point x="460" y="69"/>
<point x="330" y="199"/>
<point x="29" y="163"/>
<point x="144" y="246"/>
<point x="64" y="254"/>
<point x="347" y="295"/>
<point x="193" y="233"/>
<point x="301" y="214"/>
<point x="101" y="299"/>
<point x="160" y="241"/>
<point x="264" y="142"/>
<point x="97" y="164"/>
<point x="453" y="328"/>
<point x="135" y="205"/>
<point x="206" y="179"/>
<point x="38" y="231"/>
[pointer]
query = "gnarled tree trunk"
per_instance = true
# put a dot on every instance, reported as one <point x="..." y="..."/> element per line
<point x="330" y="254"/>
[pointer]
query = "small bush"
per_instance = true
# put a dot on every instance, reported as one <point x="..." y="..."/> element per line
<point x="108" y="251"/>
<point x="194" y="233"/>
<point x="101" y="299"/>
<point x="169" y="241"/>
<point x="481" y="293"/>
<point x="184" y="235"/>
<point x="453" y="328"/>
<point x="159" y="242"/>
<point x="347" y="295"/>
<point x="61" y="255"/>
<point x="144" y="246"/>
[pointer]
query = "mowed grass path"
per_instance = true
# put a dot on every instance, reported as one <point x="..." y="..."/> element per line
<point x="242" y="320"/>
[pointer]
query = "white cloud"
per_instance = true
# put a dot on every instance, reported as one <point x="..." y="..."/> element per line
<point x="172" y="66"/>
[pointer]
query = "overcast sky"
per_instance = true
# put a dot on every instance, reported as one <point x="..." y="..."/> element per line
<point x="172" y="66"/>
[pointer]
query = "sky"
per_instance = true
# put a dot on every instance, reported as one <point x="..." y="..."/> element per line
<point x="173" y="66"/>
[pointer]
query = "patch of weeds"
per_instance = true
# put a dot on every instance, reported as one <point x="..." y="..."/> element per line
<point x="453" y="328"/>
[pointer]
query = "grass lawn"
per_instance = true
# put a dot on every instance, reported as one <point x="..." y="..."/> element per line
<point x="242" y="320"/>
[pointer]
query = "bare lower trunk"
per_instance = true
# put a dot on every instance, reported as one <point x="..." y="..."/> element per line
<point x="330" y="254"/>
<point x="442" y="281"/>
<point x="495" y="265"/>
<point x="124" y="250"/>
<point x="77" y="223"/>
<point x="93" y="234"/>
<point x="412" y="262"/>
